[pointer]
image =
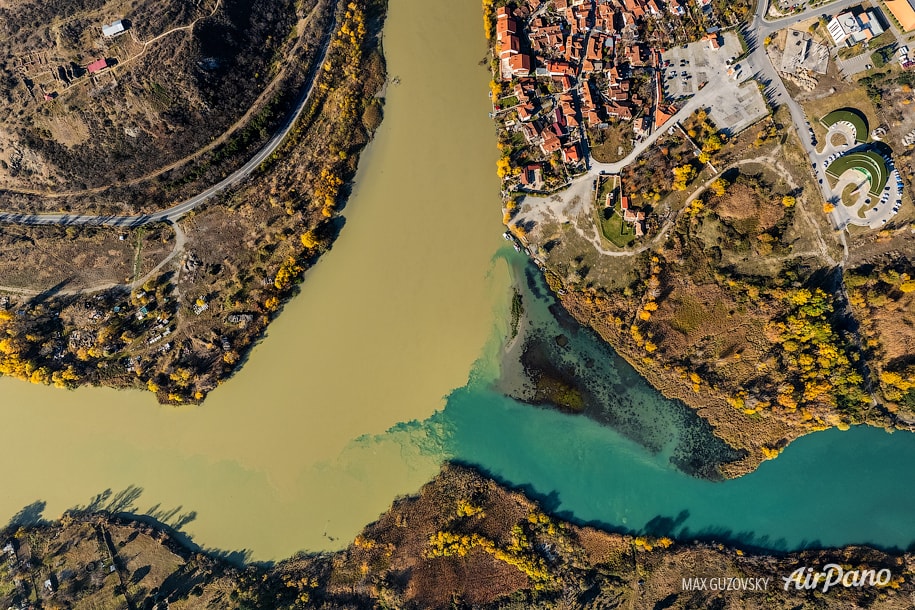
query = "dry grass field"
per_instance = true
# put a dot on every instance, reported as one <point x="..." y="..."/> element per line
<point x="74" y="258"/>
<point x="182" y="73"/>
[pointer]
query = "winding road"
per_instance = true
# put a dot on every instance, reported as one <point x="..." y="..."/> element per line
<point x="177" y="211"/>
<point x="757" y="60"/>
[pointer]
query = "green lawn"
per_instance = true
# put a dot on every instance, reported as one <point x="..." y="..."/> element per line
<point x="847" y="199"/>
<point x="868" y="162"/>
<point x="508" y="102"/>
<point x="849" y="115"/>
<point x="620" y="233"/>
<point x="607" y="184"/>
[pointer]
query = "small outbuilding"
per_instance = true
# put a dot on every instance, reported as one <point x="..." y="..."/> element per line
<point x="114" y="29"/>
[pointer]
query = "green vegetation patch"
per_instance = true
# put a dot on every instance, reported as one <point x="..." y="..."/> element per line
<point x="614" y="228"/>
<point x="868" y="163"/>
<point x="848" y="195"/>
<point x="848" y="115"/>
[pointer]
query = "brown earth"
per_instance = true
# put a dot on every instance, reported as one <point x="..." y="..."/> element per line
<point x="514" y="555"/>
<point x="182" y="329"/>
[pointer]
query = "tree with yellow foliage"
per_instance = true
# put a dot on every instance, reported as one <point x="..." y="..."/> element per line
<point x="503" y="167"/>
<point x="309" y="240"/>
<point x="695" y="207"/>
<point x="683" y="175"/>
<point x="495" y="88"/>
<point x="719" y="186"/>
<point x="712" y="144"/>
<point x="287" y="273"/>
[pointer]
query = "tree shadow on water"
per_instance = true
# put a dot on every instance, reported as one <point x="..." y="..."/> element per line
<point x="122" y="507"/>
<point x="28" y="516"/>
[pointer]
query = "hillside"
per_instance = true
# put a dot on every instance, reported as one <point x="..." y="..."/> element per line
<point x="181" y="74"/>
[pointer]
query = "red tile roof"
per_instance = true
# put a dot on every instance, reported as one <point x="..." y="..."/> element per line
<point x="97" y="66"/>
<point x="571" y="154"/>
<point x="520" y="65"/>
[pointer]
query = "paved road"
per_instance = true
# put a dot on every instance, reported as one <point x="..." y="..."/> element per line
<point x="757" y="62"/>
<point x="766" y="27"/>
<point x="691" y="105"/>
<point x="175" y="212"/>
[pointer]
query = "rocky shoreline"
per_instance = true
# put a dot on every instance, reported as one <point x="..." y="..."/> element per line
<point x="463" y="541"/>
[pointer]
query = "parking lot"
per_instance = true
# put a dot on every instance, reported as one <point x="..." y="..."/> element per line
<point x="734" y="106"/>
<point x="855" y="65"/>
<point x="859" y="207"/>
<point x="697" y="64"/>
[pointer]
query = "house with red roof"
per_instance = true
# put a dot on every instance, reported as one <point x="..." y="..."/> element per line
<point x="571" y="153"/>
<point x="620" y="111"/>
<point x="505" y="26"/>
<point x="520" y="65"/>
<point x="550" y="142"/>
<point x="509" y="45"/>
<point x="97" y="66"/>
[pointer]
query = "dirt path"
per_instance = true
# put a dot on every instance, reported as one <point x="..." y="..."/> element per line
<point x="575" y="206"/>
<point x="177" y="249"/>
<point x="190" y="26"/>
<point x="221" y="139"/>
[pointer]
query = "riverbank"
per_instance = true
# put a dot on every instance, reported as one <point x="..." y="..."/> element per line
<point x="555" y="361"/>
<point x="730" y="296"/>
<point x="183" y="326"/>
<point x="462" y="539"/>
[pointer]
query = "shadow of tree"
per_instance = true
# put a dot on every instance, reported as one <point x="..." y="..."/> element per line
<point x="28" y="516"/>
<point x="123" y="505"/>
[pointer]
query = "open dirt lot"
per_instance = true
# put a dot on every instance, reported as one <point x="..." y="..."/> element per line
<point x="72" y="258"/>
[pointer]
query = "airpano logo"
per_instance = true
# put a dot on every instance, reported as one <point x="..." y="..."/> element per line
<point x="834" y="575"/>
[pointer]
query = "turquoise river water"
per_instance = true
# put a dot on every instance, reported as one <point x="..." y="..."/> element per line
<point x="827" y="489"/>
<point x="349" y="401"/>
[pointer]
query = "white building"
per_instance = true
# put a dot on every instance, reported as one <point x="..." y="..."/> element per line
<point x="851" y="28"/>
<point x="114" y="29"/>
